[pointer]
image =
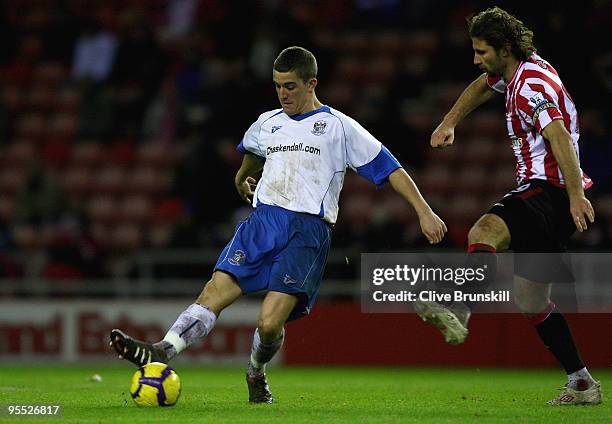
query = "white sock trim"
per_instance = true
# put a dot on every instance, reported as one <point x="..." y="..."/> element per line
<point x="174" y="339"/>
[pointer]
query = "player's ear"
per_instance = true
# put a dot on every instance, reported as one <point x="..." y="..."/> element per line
<point x="312" y="84"/>
<point x="505" y="51"/>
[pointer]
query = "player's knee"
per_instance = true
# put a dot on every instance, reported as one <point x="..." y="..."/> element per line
<point x="270" y="329"/>
<point x="478" y="233"/>
<point x="530" y="304"/>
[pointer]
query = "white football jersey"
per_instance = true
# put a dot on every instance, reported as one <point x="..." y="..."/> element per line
<point x="306" y="157"/>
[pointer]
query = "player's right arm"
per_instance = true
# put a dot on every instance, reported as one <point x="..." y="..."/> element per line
<point x="473" y="96"/>
<point x="244" y="181"/>
<point x="253" y="160"/>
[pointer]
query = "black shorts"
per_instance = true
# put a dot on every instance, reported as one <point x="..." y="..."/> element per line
<point x="538" y="217"/>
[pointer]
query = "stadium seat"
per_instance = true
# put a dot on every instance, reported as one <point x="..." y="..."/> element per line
<point x="27" y="237"/>
<point x="436" y="178"/>
<point x="32" y="126"/>
<point x="67" y="100"/>
<point x="101" y="232"/>
<point x="20" y="152"/>
<point x="103" y="208"/>
<point x="603" y="207"/>
<point x="87" y="153"/>
<point x="156" y="154"/>
<point x="135" y="208"/>
<point x="503" y="179"/>
<point x="7" y="207"/>
<point x="148" y="180"/>
<point x="472" y="180"/>
<point x="63" y="127"/>
<point x="77" y="181"/>
<point x="12" y="180"/>
<point x="41" y="98"/>
<point x="464" y="208"/>
<point x="160" y="235"/>
<point x="126" y="237"/>
<point x="488" y="123"/>
<point x="425" y="42"/>
<point x="110" y="179"/>
<point x="358" y="209"/>
<point x="50" y="73"/>
<point x="480" y="151"/>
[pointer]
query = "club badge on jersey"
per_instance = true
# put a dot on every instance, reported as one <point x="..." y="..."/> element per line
<point x="319" y="128"/>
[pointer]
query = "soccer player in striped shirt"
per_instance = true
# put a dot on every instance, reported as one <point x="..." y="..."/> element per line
<point x="549" y="204"/>
<point x="304" y="148"/>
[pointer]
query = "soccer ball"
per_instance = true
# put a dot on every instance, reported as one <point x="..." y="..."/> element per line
<point x="155" y="384"/>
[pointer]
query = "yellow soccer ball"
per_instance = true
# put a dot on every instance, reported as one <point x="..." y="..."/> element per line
<point x="155" y="384"/>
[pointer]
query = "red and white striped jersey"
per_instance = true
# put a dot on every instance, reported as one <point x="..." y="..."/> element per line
<point x="535" y="96"/>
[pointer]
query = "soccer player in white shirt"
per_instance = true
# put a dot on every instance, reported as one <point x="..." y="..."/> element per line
<point x="549" y="204"/>
<point x="304" y="149"/>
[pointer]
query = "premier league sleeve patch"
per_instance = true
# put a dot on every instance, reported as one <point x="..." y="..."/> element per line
<point x="237" y="258"/>
<point x="538" y="104"/>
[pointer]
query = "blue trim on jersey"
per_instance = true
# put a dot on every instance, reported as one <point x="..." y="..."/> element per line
<point x="379" y="168"/>
<point x="322" y="211"/>
<point x="241" y="149"/>
<point x="299" y="117"/>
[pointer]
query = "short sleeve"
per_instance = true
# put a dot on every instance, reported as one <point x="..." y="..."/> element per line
<point x="366" y="155"/>
<point x="538" y="105"/>
<point x="250" y="141"/>
<point x="496" y="83"/>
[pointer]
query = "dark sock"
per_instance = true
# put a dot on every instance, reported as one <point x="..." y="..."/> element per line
<point x="481" y="255"/>
<point x="557" y="337"/>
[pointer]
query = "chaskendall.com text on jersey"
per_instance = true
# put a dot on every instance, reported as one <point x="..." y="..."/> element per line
<point x="295" y="147"/>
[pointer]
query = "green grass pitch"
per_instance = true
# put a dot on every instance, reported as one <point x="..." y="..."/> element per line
<point x="306" y="395"/>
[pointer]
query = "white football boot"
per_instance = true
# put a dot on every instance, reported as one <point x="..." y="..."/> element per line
<point x="590" y="396"/>
<point x="450" y="320"/>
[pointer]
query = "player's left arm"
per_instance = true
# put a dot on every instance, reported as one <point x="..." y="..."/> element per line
<point x="563" y="150"/>
<point x="431" y="225"/>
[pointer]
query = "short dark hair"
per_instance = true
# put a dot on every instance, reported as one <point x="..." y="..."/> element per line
<point x="299" y="60"/>
<point x="499" y="28"/>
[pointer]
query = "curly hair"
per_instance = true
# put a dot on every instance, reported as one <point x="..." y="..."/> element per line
<point x="499" y="28"/>
<point x="298" y="60"/>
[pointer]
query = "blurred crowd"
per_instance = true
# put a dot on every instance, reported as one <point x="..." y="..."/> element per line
<point x="119" y="119"/>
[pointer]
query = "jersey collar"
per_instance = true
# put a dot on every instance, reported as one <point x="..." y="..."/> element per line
<point x="301" y="116"/>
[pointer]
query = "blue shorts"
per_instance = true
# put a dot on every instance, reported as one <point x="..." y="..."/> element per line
<point x="275" y="249"/>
